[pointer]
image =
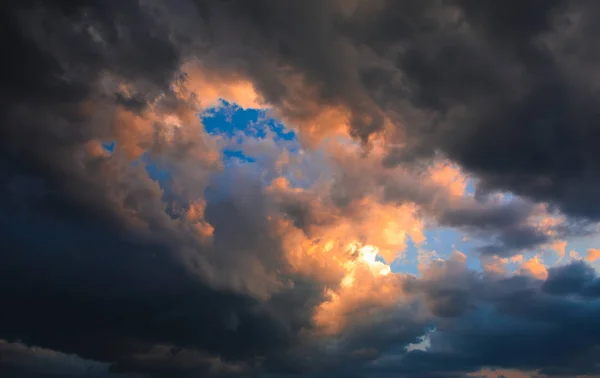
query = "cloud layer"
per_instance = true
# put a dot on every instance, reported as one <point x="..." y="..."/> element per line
<point x="232" y="188"/>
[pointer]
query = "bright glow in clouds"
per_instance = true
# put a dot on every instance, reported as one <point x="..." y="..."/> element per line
<point x="363" y="255"/>
<point x="328" y="250"/>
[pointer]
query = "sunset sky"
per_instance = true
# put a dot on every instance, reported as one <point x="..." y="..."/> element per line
<point x="300" y="188"/>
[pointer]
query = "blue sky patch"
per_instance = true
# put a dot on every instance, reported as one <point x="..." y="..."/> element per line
<point x="110" y="146"/>
<point x="230" y="120"/>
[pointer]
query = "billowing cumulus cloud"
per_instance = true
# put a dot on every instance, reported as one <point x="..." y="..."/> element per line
<point x="299" y="188"/>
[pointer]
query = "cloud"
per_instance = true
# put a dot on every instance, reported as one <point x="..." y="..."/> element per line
<point x="454" y="78"/>
<point x="593" y="254"/>
<point x="155" y="257"/>
<point x="535" y="267"/>
<point x="509" y="322"/>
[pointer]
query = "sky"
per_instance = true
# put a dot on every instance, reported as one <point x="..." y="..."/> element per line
<point x="315" y="188"/>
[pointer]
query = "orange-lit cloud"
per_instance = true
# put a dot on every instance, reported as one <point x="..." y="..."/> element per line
<point x="386" y="226"/>
<point x="449" y="176"/>
<point x="356" y="285"/>
<point x="133" y="132"/>
<point x="208" y="88"/>
<point x="498" y="265"/>
<point x="593" y="254"/>
<point x="361" y="302"/>
<point x="535" y="267"/>
<point x="367" y="288"/>
<point x="195" y="216"/>
<point x="326" y="122"/>
<point x="339" y="248"/>
<point x="547" y="223"/>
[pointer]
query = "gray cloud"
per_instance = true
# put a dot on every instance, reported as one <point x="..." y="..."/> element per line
<point x="517" y="322"/>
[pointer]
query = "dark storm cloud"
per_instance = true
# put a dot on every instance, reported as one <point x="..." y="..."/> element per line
<point x="505" y="89"/>
<point x="507" y="102"/>
<point x="576" y="278"/>
<point x="74" y="282"/>
<point x="511" y="102"/>
<point x="517" y="322"/>
<point x="91" y="263"/>
<point x="19" y="361"/>
<point x="499" y="88"/>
